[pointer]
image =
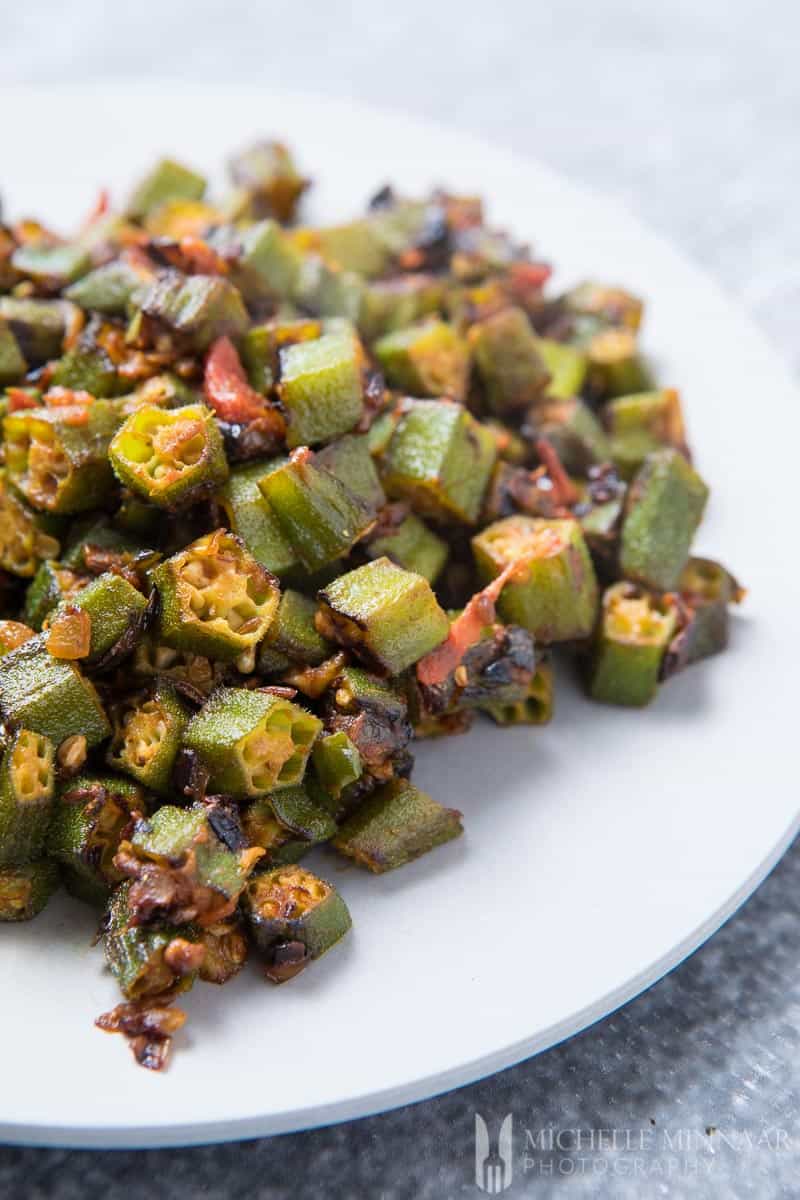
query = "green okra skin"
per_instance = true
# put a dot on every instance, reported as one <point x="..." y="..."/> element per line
<point x="389" y="617"/>
<point x="380" y="432"/>
<point x="89" y="817"/>
<point x="439" y="459"/>
<point x="116" y="610"/>
<point x="25" y="890"/>
<point x="293" y="632"/>
<point x="252" y="742"/>
<point x="553" y="594"/>
<point x="215" y="599"/>
<point x="566" y="365"/>
<point x="52" y="266"/>
<point x="261" y="347"/>
<point x="52" y="584"/>
<point x="266" y="171"/>
<point x="411" y="544"/>
<point x="12" y="361"/>
<point x="354" y="246"/>
<point x="37" y="325"/>
<point x="171" y="833"/>
<point x="428" y="359"/>
<point x="392" y="304"/>
<point x="607" y="305"/>
<point x="167" y="180"/>
<point x="27" y="786"/>
<point x="195" y="309"/>
<point x="317" y="514"/>
<point x="395" y="825"/>
<point x="535" y="709"/>
<point x="600" y="526"/>
<point x="337" y="763"/>
<point x="251" y="518"/>
<point x="321" y="390"/>
<point x="663" y="508"/>
<point x="96" y="532"/>
<point x="49" y="696"/>
<point x="507" y="359"/>
<point x="287" y="824"/>
<point x="349" y="459"/>
<point x="708" y="589"/>
<point x="642" y="423"/>
<point x="266" y="264"/>
<point x="325" y="291"/>
<point x="511" y="446"/>
<point x="615" y="366"/>
<point x="136" y="953"/>
<point x="633" y="637"/>
<point x="113" y="289"/>
<point x="57" y="458"/>
<point x="148" y="733"/>
<point x="86" y="369"/>
<point x="290" y="905"/>
<point x="26" y="537"/>
<point x="574" y="432"/>
<point x="169" y="457"/>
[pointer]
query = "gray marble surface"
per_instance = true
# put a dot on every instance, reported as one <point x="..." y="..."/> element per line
<point x="688" y="113"/>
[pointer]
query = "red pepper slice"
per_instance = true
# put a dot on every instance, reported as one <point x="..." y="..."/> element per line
<point x="226" y="386"/>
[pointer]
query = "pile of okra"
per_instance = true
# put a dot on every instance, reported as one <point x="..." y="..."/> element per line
<point x="277" y="500"/>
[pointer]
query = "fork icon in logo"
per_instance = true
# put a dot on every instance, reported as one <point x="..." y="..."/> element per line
<point x="493" y="1167"/>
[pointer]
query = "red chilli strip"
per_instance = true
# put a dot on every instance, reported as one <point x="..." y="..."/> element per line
<point x="226" y="386"/>
<point x="465" y="631"/>
<point x="101" y="207"/>
<point x="564" y="490"/>
<point x="18" y="399"/>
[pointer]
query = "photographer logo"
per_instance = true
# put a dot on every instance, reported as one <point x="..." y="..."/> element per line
<point x="493" y="1166"/>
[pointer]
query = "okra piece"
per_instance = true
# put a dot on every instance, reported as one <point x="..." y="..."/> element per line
<point x="169" y="456"/>
<point x="267" y="172"/>
<point x="293" y="632"/>
<point x="226" y="950"/>
<point x="86" y="369"/>
<point x="508" y="361"/>
<point x="320" y="517"/>
<point x="148" y="732"/>
<point x="51" y="266"/>
<point x="294" y="917"/>
<point x="374" y="714"/>
<point x="553" y="592"/>
<point x="411" y="544"/>
<point x="663" y="508"/>
<point x="389" y="617"/>
<point x="609" y="305"/>
<point x="251" y="518"/>
<point x="57" y="458"/>
<point x="37" y="325"/>
<point x="168" y="180"/>
<point x="355" y="246"/>
<point x="566" y="366"/>
<point x="615" y="366"/>
<point x="90" y="534"/>
<point x="49" y="696"/>
<point x="195" y="309"/>
<point x="24" y="537"/>
<point x="144" y="960"/>
<point x="642" y="423"/>
<point x="25" y="890"/>
<point x="321" y="390"/>
<point x="12" y="361"/>
<point x="112" y="289"/>
<point x="440" y="460"/>
<point x="325" y="291"/>
<point x="88" y="820"/>
<point x="27" y="786"/>
<point x="350" y="461"/>
<point x="216" y="599"/>
<point x="636" y="628"/>
<point x="286" y="824"/>
<point x="252" y="742"/>
<point x="396" y="303"/>
<point x="116" y="610"/>
<point x="52" y="585"/>
<point x="708" y="590"/>
<point x="574" y="432"/>
<point x="266" y="265"/>
<point x="535" y="709"/>
<point x="428" y="359"/>
<point x="395" y="825"/>
<point x="337" y="763"/>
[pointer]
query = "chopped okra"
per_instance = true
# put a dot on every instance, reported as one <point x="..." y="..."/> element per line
<point x="279" y="500"/>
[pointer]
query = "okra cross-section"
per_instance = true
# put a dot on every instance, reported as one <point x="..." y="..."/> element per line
<point x="147" y="737"/>
<point x="252" y="742"/>
<point x="215" y="598"/>
<point x="553" y="591"/>
<point x="58" y="457"/>
<point x="27" y="785"/>
<point x="49" y="696"/>
<point x="24" y="543"/>
<point x="321" y="390"/>
<point x="635" y="630"/>
<point x="663" y="508"/>
<point x="25" y="890"/>
<point x="429" y="359"/>
<point x="388" y="616"/>
<point x="294" y="917"/>
<point x="440" y="459"/>
<point x="395" y="825"/>
<point x="169" y="456"/>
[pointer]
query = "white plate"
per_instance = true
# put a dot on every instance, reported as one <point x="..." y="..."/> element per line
<point x="598" y="852"/>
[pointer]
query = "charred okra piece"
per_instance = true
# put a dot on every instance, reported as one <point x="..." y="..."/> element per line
<point x="389" y="617"/>
<point x="147" y="960"/>
<point x="374" y="715"/>
<point x="168" y="180"/>
<point x="86" y="827"/>
<point x="429" y="359"/>
<point x="27" y="785"/>
<point x="440" y="459"/>
<point x="58" y="457"/>
<point x="37" y="325"/>
<point x="195" y="309"/>
<point x="337" y="763"/>
<point x="226" y="950"/>
<point x="147" y="737"/>
<point x="215" y="598"/>
<point x="112" y="289"/>
<point x="535" y="709"/>
<point x="51" y="585"/>
<point x="412" y="545"/>
<point x="116" y="610"/>
<point x="663" y="508"/>
<point x="566" y="366"/>
<point x="49" y="696"/>
<point x="169" y="456"/>
<point x="321" y="391"/>
<point x="508" y="361"/>
<point x="251" y="518"/>
<point x="553" y="593"/>
<point x="395" y="825"/>
<point x="320" y="517"/>
<point x="615" y="366"/>
<point x="293" y="632"/>
<point x="349" y="459"/>
<point x="12" y="360"/>
<point x="24" y="540"/>
<point x="294" y="917"/>
<point x="605" y="305"/>
<point x="708" y="590"/>
<point x="642" y="423"/>
<point x="267" y="173"/>
<point x="636" y="628"/>
<point x="574" y="432"/>
<point x="286" y="824"/>
<point x="25" y="890"/>
<point x="252" y="742"/>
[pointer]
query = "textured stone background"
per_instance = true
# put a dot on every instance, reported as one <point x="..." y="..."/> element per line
<point x="688" y="113"/>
